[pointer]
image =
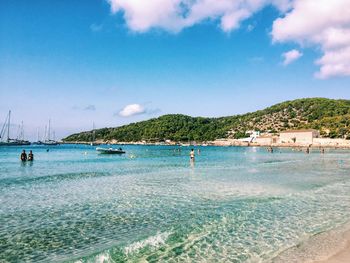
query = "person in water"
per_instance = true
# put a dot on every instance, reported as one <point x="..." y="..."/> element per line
<point x="192" y="155"/>
<point x="30" y="156"/>
<point x="23" y="156"/>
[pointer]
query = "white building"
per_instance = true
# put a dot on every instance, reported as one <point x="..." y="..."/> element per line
<point x="266" y="140"/>
<point x="252" y="136"/>
<point x="299" y="136"/>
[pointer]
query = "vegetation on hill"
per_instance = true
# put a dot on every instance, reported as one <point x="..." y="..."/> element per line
<point x="331" y="117"/>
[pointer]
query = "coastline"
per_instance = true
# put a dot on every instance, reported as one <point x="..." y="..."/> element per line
<point x="222" y="143"/>
<point x="332" y="246"/>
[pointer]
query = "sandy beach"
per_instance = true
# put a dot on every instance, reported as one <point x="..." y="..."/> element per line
<point x="328" y="247"/>
<point x="343" y="254"/>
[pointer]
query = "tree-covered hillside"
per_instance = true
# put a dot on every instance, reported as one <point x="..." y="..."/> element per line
<point x="331" y="117"/>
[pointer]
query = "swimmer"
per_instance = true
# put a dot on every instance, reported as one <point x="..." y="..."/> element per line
<point x="31" y="156"/>
<point x="192" y="155"/>
<point x="23" y="156"/>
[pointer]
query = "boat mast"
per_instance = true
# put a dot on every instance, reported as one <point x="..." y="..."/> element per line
<point x="45" y="135"/>
<point x="22" y="132"/>
<point x="49" y="130"/>
<point x="8" y="127"/>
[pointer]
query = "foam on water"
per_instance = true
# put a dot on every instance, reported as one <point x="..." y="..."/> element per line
<point x="234" y="204"/>
<point x="153" y="242"/>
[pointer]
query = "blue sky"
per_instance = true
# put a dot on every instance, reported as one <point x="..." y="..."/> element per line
<point x="77" y="62"/>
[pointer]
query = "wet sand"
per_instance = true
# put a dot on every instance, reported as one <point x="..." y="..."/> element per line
<point x="329" y="247"/>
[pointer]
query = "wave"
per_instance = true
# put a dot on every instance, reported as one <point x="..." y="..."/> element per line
<point x="153" y="242"/>
<point x="129" y="252"/>
<point x="48" y="178"/>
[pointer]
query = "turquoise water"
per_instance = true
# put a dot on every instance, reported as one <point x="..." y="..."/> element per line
<point x="234" y="204"/>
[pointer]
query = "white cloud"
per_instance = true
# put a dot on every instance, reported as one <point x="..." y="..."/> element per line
<point x="131" y="110"/>
<point x="320" y="23"/>
<point x="291" y="56"/>
<point x="174" y="15"/>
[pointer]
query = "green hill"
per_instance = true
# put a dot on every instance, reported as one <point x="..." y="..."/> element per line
<point x="331" y="117"/>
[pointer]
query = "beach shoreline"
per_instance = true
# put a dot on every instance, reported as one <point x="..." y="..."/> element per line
<point x="221" y="144"/>
<point x="332" y="246"/>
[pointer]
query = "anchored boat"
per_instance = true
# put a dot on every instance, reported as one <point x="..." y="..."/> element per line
<point x="110" y="150"/>
<point x="5" y="133"/>
<point x="48" y="141"/>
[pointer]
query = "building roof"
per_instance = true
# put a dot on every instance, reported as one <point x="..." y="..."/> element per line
<point x="302" y="130"/>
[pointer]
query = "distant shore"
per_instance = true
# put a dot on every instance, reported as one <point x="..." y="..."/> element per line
<point x="227" y="143"/>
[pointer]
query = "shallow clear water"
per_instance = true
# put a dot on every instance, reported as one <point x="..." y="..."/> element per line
<point x="234" y="204"/>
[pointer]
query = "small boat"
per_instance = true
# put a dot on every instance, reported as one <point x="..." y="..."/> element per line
<point x="109" y="150"/>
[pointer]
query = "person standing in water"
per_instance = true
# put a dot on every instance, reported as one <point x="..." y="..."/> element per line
<point x="23" y="156"/>
<point x="30" y="156"/>
<point x="192" y="155"/>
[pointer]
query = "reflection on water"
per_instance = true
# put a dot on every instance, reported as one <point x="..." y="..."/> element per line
<point x="154" y="204"/>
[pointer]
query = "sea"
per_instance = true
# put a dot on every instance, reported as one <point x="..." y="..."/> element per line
<point x="151" y="204"/>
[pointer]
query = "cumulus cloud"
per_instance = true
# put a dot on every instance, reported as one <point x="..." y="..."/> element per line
<point x="320" y="23"/>
<point x="291" y="56"/>
<point x="174" y="15"/>
<point x="131" y="110"/>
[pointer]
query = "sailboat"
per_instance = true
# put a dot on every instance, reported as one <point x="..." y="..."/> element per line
<point x="38" y="141"/>
<point x="93" y="136"/>
<point x="20" y="136"/>
<point x="5" y="139"/>
<point x="48" y="140"/>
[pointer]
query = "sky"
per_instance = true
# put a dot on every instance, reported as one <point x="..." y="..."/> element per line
<point x="113" y="62"/>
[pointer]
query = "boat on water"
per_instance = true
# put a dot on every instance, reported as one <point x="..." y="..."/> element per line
<point x="38" y="141"/>
<point x="50" y="142"/>
<point x="14" y="142"/>
<point x="109" y="150"/>
<point x="5" y="139"/>
<point x="47" y="137"/>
